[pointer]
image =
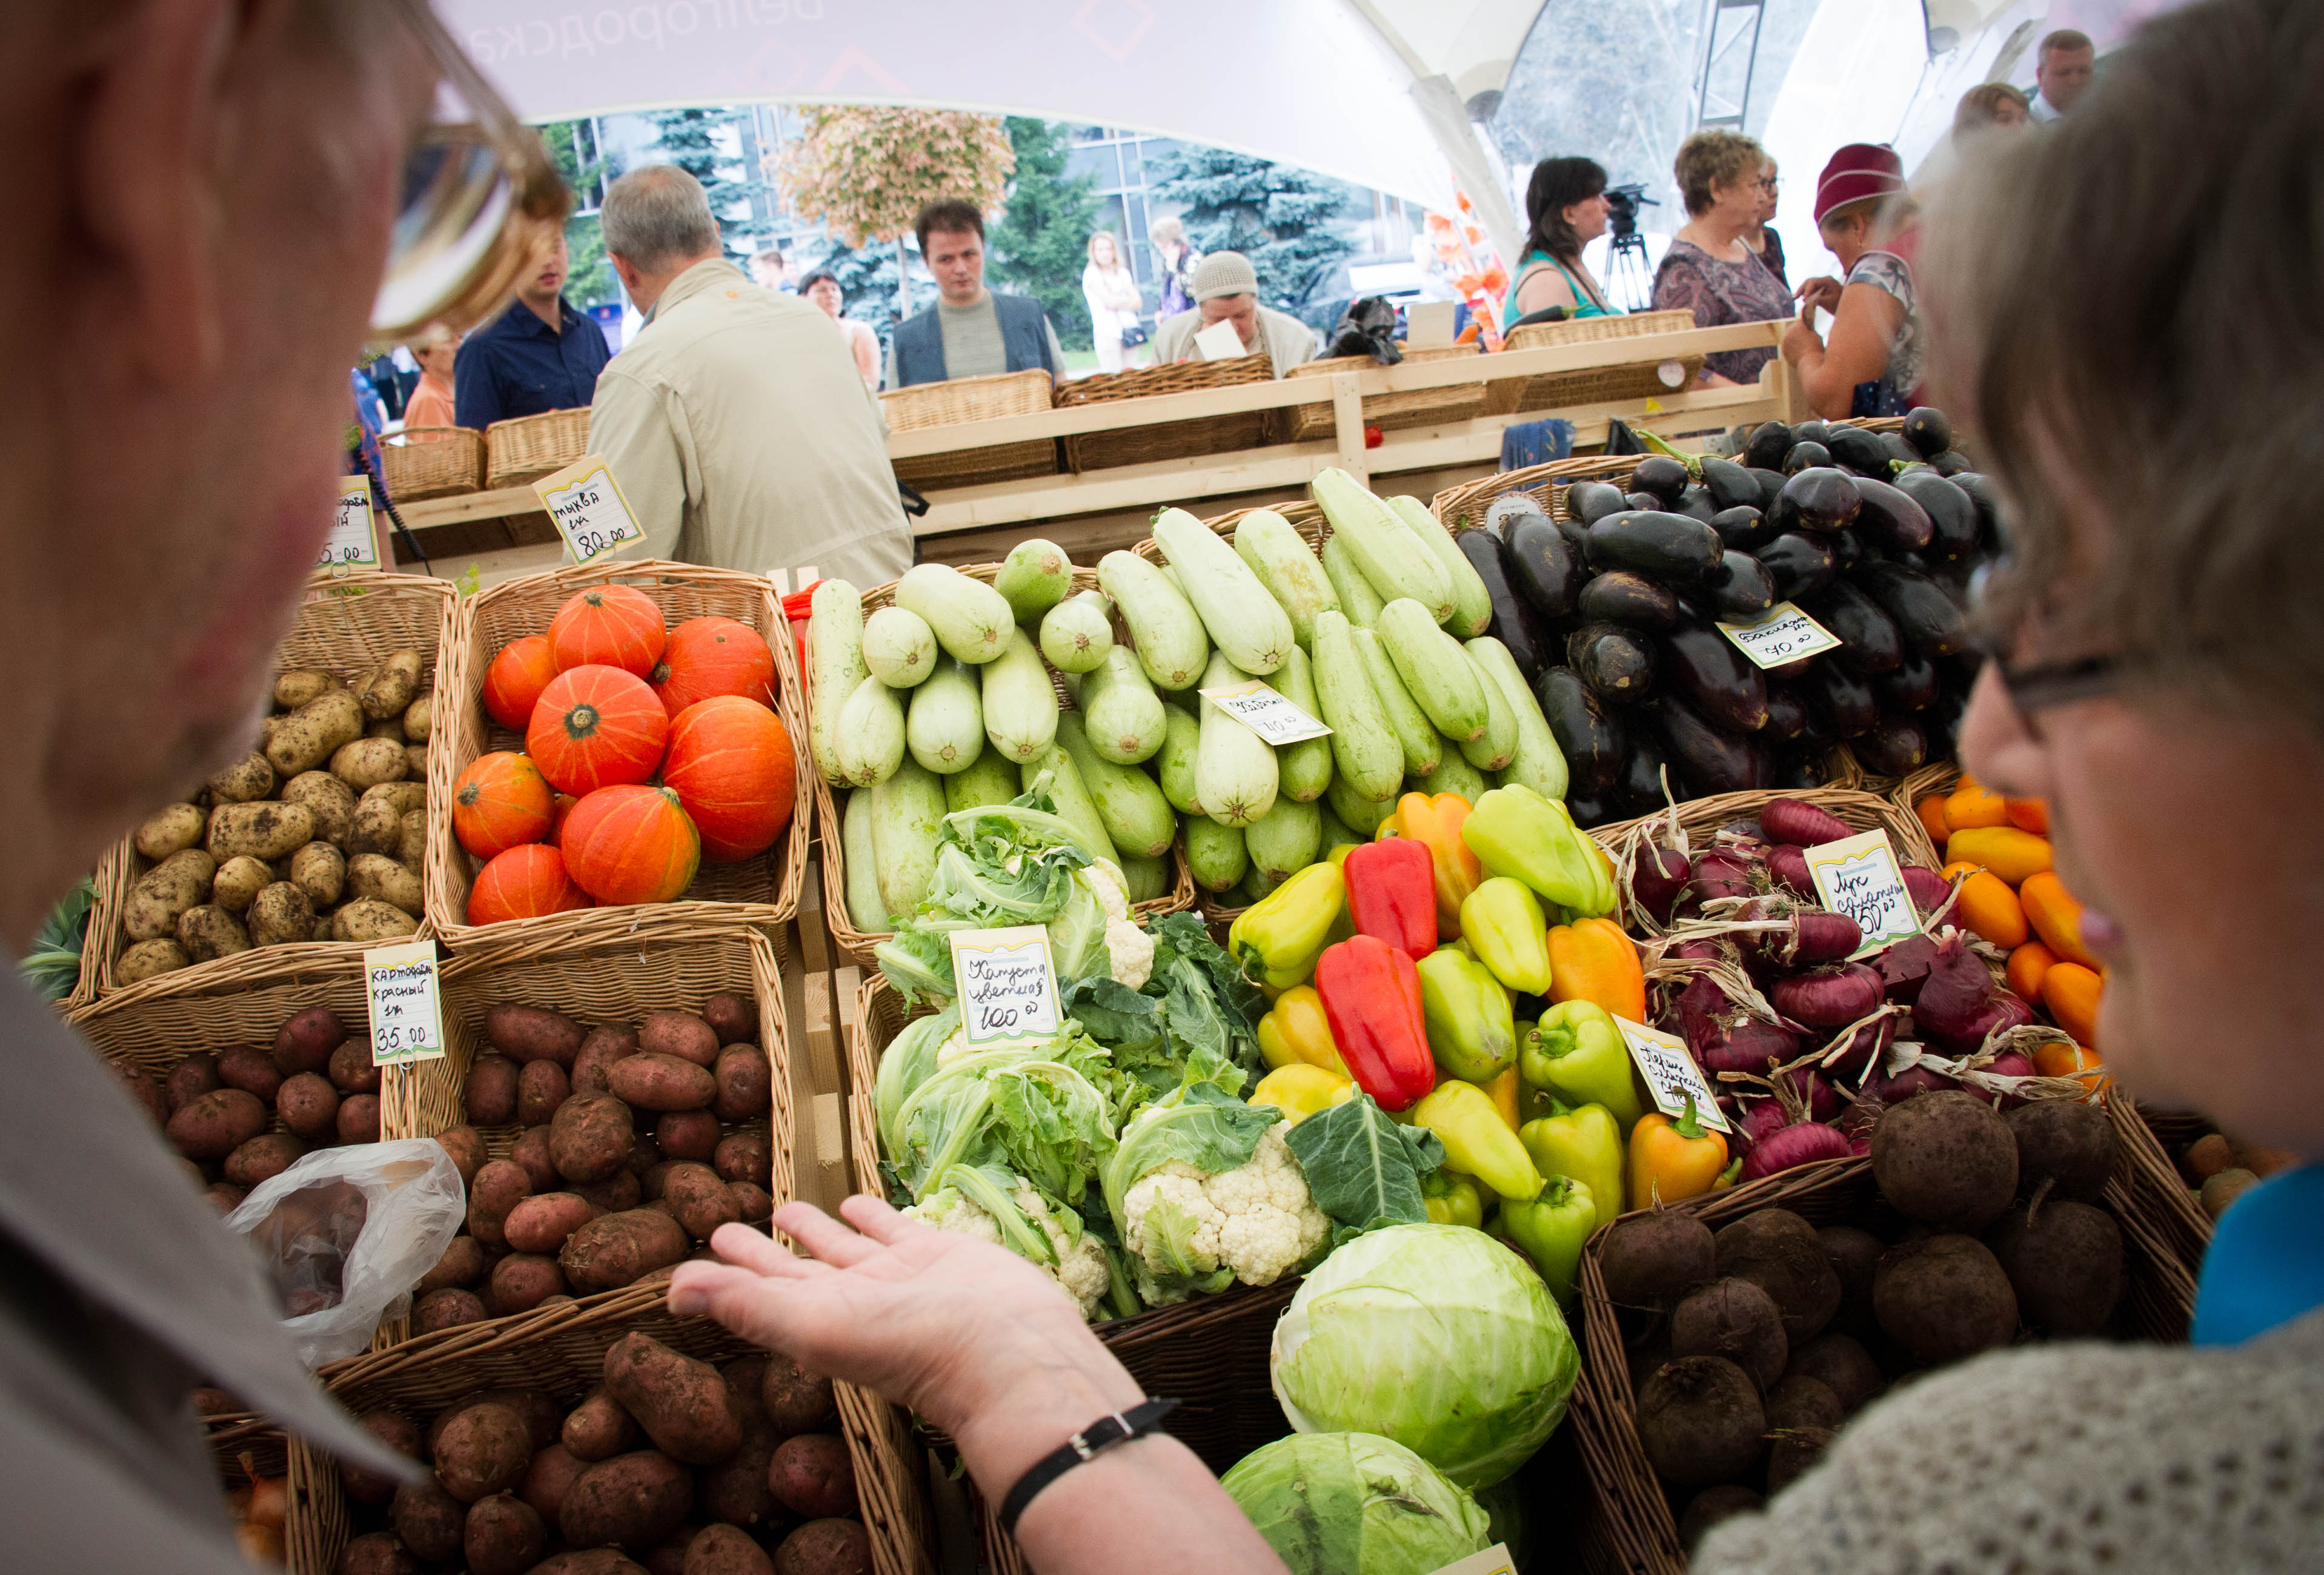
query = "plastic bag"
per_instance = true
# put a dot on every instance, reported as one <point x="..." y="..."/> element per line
<point x="344" y="1233"/>
<point x="1368" y="327"/>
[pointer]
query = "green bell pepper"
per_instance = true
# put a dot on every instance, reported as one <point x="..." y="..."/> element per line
<point x="1552" y="1229"/>
<point x="1452" y="1199"/>
<point x="1502" y="920"/>
<point x="1467" y="1015"/>
<point x="1277" y="938"/>
<point x="1577" y="1053"/>
<point x="1517" y="832"/>
<point x="1581" y="1142"/>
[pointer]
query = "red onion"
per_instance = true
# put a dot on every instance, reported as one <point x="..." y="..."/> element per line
<point x="1904" y="965"/>
<point x="1750" y="1045"/>
<point x="2003" y="1010"/>
<point x="2008" y="1063"/>
<point x="1829" y="998"/>
<point x="1762" y="1120"/>
<point x="1928" y="889"/>
<point x="1721" y="872"/>
<point x="1802" y="1143"/>
<point x="1949" y="1010"/>
<point x="1824" y="937"/>
<point x="1865" y="1045"/>
<point x="1817" y="1097"/>
<point x="1789" y="866"/>
<point x="1659" y="877"/>
<point x="1800" y="824"/>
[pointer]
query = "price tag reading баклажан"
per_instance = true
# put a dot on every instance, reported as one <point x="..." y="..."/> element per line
<point x="1785" y="634"/>
<point x="1005" y="984"/>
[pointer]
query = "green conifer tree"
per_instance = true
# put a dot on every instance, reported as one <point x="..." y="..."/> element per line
<point x="1276" y="215"/>
<point x="1040" y="244"/>
<point x="687" y="138"/>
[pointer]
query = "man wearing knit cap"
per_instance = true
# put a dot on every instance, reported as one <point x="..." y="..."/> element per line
<point x="1226" y="290"/>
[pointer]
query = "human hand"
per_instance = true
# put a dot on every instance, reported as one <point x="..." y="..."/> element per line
<point x="1799" y="339"/>
<point x="1818" y="294"/>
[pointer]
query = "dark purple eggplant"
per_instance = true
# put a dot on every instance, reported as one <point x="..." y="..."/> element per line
<point x="1806" y="454"/>
<point x="1719" y="680"/>
<point x="1588" y="733"/>
<point x="1616" y="662"/>
<point x="1739" y="587"/>
<point x="1768" y="446"/>
<point x="1857" y="449"/>
<point x="1868" y="641"/>
<point x="1895" y="746"/>
<point x="1660" y="474"/>
<point x="1843" y="701"/>
<point x="1650" y="503"/>
<point x="1744" y="528"/>
<point x="1631" y="599"/>
<point x="1590" y="500"/>
<point x="1953" y="461"/>
<point x="1952" y="518"/>
<point x="1711" y="759"/>
<point x="1771" y="487"/>
<point x="1891" y="520"/>
<point x="1696" y="503"/>
<point x="1819" y="498"/>
<point x="1514" y="623"/>
<point x="1913" y="686"/>
<point x="1800" y="565"/>
<point x="1925" y="616"/>
<point x="1941" y="723"/>
<point x="1929" y="431"/>
<point x="1640" y="790"/>
<point x="1669" y="547"/>
<point x="1589" y="809"/>
<point x="1847" y="549"/>
<point x="1731" y="485"/>
<point x="1543" y="566"/>
<point x="1801" y="765"/>
<point x="1787" y="714"/>
<point x="1900" y="453"/>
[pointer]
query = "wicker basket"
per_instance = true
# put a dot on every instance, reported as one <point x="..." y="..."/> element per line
<point x="1630" y="1527"/>
<point x="1391" y="412"/>
<point x="354" y="622"/>
<point x="972" y="399"/>
<point x="431" y="462"/>
<point x="1863" y="811"/>
<point x="858" y="944"/>
<point x="1596" y="385"/>
<point x="1144" y="445"/>
<point x="532" y="447"/>
<point x="762" y="891"/>
<point x="560" y="1350"/>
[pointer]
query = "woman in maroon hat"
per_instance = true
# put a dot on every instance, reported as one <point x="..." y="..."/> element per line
<point x="1871" y="365"/>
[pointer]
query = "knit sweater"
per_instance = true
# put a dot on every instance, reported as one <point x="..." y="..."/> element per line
<point x="2066" y="1459"/>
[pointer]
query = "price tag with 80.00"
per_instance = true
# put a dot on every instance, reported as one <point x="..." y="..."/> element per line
<point x="1785" y="634"/>
<point x="407" y="1017"/>
<point x="587" y="505"/>
<point x="352" y="544"/>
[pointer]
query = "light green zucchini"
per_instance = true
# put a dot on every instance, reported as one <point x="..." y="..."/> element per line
<point x="1391" y="557"/>
<point x="1416" y="736"/>
<point x="991" y="779"/>
<point x="1287" y="566"/>
<point x="870" y="734"/>
<point x="1163" y="625"/>
<point x="1539" y="764"/>
<point x="1216" y="855"/>
<point x="1356" y="596"/>
<point x="1124" y="714"/>
<point x="1243" y="620"/>
<point x="1235" y="772"/>
<point x="944" y="726"/>
<point x="1364" y="747"/>
<point x="865" y="910"/>
<point x="1473" y="604"/>
<point x="1499" y="747"/>
<point x="1453" y="774"/>
<point x="1076" y="633"/>
<point x="1174" y="763"/>
<point x="1359" y="814"/>
<point x="1437" y="672"/>
<point x="1071" y="794"/>
<point x="1305" y="767"/>
<point x="898" y="647"/>
<point x="907" y="811"/>
<point x="1149" y="879"/>
<point x="1138" y="819"/>
<point x="1021" y="706"/>
<point x="834" y="655"/>
<point x="1034" y="577"/>
<point x="1284" y="839"/>
<point x="971" y="619"/>
<point x="1336" y="832"/>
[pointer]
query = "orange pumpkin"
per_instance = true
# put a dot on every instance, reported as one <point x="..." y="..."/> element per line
<point x="596" y="727"/>
<point x="558" y="809"/>
<point x="613" y="626"/>
<point x="713" y="656"/>
<point x="501" y="801"/>
<point x="529" y="880"/>
<point x="631" y="843"/>
<point x="730" y="764"/>
<point x="514" y="680"/>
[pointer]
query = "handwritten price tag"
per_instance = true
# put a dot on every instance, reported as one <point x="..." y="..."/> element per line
<point x="1266" y="713"/>
<point x="1006" y="984"/>
<point x="1785" y="635"/>
<point x="1858" y="876"/>
<point x="352" y="544"/>
<point x="585" y="504"/>
<point x="1670" y="1073"/>
<point x="407" y="1018"/>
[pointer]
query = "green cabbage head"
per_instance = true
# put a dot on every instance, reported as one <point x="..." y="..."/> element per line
<point x="1355" y="1504"/>
<point x="1436" y="1336"/>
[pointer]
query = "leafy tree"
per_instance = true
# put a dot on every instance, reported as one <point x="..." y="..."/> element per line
<point x="1040" y="244"/>
<point x="591" y="279"/>
<point x="688" y="138"/>
<point x="1276" y="215"/>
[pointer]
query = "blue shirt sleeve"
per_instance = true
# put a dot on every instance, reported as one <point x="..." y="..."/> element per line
<point x="475" y="391"/>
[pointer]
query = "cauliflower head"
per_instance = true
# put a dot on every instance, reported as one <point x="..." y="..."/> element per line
<point x="1128" y="950"/>
<point x="1075" y="1259"/>
<point x="1190" y="1230"/>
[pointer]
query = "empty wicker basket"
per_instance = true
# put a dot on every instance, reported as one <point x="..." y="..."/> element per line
<point x="431" y="462"/>
<point x="1166" y="439"/>
<point x="1596" y="385"/>
<point x="972" y="399"/>
<point x="528" y="447"/>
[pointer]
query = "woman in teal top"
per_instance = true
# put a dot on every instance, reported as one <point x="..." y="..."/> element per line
<point x="1565" y="204"/>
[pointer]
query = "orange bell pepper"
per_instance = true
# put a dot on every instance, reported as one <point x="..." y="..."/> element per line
<point x="1971" y="805"/>
<point x="2055" y="917"/>
<point x="2031" y="814"/>
<point x="1592" y="960"/>
<point x="1990" y="908"/>
<point x="1670" y="1160"/>
<point x="1434" y="823"/>
<point x="2027" y="965"/>
<point x="2008" y="853"/>
<point x="1503" y="1091"/>
<point x="2071" y="992"/>
<point x="1931" y="811"/>
<point x="2058" y="1059"/>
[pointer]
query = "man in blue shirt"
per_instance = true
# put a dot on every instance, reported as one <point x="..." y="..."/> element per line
<point x="538" y="356"/>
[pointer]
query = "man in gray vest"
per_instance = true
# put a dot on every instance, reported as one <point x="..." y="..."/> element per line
<point x="970" y="332"/>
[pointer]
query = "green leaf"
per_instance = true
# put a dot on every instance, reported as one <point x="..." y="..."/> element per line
<point x="1364" y="1170"/>
<point x="1169" y="1242"/>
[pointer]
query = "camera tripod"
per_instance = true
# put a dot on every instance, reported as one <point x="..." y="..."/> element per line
<point x="1629" y="281"/>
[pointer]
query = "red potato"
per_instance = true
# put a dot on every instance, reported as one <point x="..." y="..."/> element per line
<point x="352" y="1069"/>
<point x="309" y="1105"/>
<point x="616" y="1194"/>
<point x="796" y="1400"/>
<point x="679" y="1034"/>
<point x="446" y="1309"/>
<point x="540" y="1088"/>
<point x="543" y="1415"/>
<point x="826" y="1547"/>
<point x="540" y="1224"/>
<point x="397" y="1432"/>
<point x="263" y="1158"/>
<point x="464" y="1263"/>
<point x="682" y="1404"/>
<point x="251" y="1070"/>
<point x="530" y="1153"/>
<point x="532" y="1034"/>
<point x="619" y="1249"/>
<point x="482" y="1450"/>
<point x="635" y="1500"/>
<point x="225" y="1197"/>
<point x="735" y="1491"/>
<point x="216" y="1124"/>
<point x="466" y="1145"/>
<point x="746" y="1088"/>
<point x="358" y="1119"/>
<point x="523" y="1281"/>
<point x="600" y="1049"/>
<point x="429" y="1520"/>
<point x="688" y="1135"/>
<point x="701" y="1202"/>
<point x="734" y="1018"/>
<point x="190" y="1080"/>
<point x="598" y="1428"/>
<point x="376" y="1553"/>
<point x="747" y="1155"/>
<point x="503" y="1535"/>
<point x="649" y="1082"/>
<point x="813" y="1476"/>
<point x="747" y="1376"/>
<point x="145" y="1088"/>
<point x="498" y="1188"/>
<point x="590" y="1137"/>
<point x="755" y="1205"/>
<point x="667" y="1556"/>
<point x="304" y="1043"/>
<point x="722" y="1550"/>
<point x="491" y="1091"/>
<point x="546" y="1481"/>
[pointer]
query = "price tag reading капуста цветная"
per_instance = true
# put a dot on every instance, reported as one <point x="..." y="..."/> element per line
<point x="587" y="505"/>
<point x="352" y="544"/>
<point x="1670" y="1073"/>
<point x="1276" y="720"/>
<point x="1785" y="634"/>
<point x="1007" y="986"/>
<point x="1858" y="876"/>
<point x="407" y="1015"/>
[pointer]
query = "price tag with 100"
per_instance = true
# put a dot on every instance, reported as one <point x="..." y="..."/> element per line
<point x="587" y="505"/>
<point x="407" y="1015"/>
<point x="352" y="543"/>
<point x="1007" y="986"/>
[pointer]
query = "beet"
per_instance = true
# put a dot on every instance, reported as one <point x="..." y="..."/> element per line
<point x="1944" y="1298"/>
<point x="1818" y="937"/>
<point x="1779" y="1251"/>
<point x="1953" y="999"/>
<point x="1750" y="1045"/>
<point x="2066" y="1143"/>
<point x="2064" y="1261"/>
<point x="1734" y="1319"/>
<point x="1928" y="889"/>
<point x="1800" y="1401"/>
<point x="1699" y="1421"/>
<point x="1801" y="825"/>
<point x="1854" y="1253"/>
<point x="1789" y="866"/>
<point x="1712" y="1505"/>
<point x="1656" y="879"/>
<point x="1841" y="1365"/>
<point x="1649" y="1260"/>
<point x="1904" y="966"/>
<point x="1829" y="998"/>
<point x="1946" y="1160"/>
<point x="1801" y="1142"/>
<point x="1796" y="1452"/>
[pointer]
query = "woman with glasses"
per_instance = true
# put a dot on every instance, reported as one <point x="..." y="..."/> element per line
<point x="1765" y="243"/>
<point x="1872" y="364"/>
<point x="1708" y="271"/>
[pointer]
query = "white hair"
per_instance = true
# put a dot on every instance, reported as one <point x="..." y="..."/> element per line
<point x="658" y="214"/>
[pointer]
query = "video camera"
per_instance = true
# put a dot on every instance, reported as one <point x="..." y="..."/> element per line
<point x="1622" y="204"/>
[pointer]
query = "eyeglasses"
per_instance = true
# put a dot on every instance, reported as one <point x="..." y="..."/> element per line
<point x="478" y="196"/>
<point x="1771" y="183"/>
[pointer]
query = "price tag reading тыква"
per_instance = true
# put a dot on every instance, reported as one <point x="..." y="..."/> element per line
<point x="1858" y="876"/>
<point x="352" y="543"/>
<point x="585" y="504"/>
<point x="1276" y="720"/>
<point x="1672" y="1074"/>
<point x="1007" y="986"/>
<point x="407" y="1017"/>
<point x="1785" y="634"/>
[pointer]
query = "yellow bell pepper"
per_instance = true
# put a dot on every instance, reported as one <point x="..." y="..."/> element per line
<point x="1301" y="1091"/>
<point x="1434" y="823"/>
<point x="1592" y="960"/>
<point x="1477" y="1141"/>
<point x="1297" y="1033"/>
<point x="1277" y="938"/>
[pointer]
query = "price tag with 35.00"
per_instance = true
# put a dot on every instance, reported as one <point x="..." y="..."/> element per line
<point x="407" y="1015"/>
<point x="352" y="544"/>
<point x="585" y="504"/>
<point x="1783" y="634"/>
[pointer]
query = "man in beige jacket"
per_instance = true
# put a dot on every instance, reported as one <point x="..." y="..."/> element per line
<point x="735" y="420"/>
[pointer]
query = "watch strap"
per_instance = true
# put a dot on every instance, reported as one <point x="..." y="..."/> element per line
<point x="1106" y="1432"/>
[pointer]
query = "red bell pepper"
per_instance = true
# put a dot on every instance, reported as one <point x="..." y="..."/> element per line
<point x="1372" y="999"/>
<point x="1392" y="894"/>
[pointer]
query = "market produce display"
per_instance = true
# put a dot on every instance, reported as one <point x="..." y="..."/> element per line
<point x="667" y="1463"/>
<point x="320" y="834"/>
<point x="259" y="1509"/>
<point x="2218" y="1169"/>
